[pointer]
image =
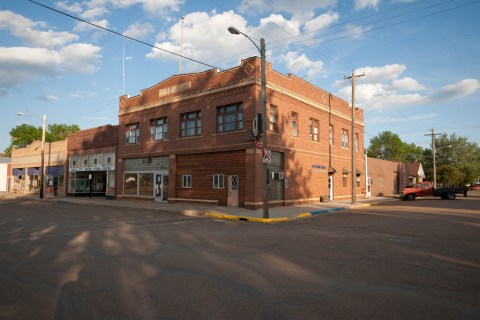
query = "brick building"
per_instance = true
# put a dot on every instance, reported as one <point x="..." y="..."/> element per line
<point x="26" y="167"/>
<point x="188" y="138"/>
<point x="388" y="178"/>
<point x="91" y="161"/>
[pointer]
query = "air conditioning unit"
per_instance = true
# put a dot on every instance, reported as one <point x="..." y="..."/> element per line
<point x="278" y="175"/>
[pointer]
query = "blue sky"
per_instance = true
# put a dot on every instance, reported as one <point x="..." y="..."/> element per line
<point x="420" y="57"/>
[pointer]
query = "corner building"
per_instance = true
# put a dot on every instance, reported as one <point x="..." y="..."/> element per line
<point x="188" y="138"/>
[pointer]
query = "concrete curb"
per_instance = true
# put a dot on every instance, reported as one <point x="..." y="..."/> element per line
<point x="273" y="220"/>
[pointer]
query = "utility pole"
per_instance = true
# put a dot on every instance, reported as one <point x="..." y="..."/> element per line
<point x="354" y="170"/>
<point x="433" y="134"/>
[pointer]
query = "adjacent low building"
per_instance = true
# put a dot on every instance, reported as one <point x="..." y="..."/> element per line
<point x="388" y="178"/>
<point x="91" y="161"/>
<point x="27" y="165"/>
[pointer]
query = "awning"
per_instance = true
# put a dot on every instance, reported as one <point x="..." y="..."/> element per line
<point x="17" y="172"/>
<point x="55" y="170"/>
<point x="331" y="170"/>
<point x="33" y="171"/>
<point x="359" y="172"/>
<point x="345" y="170"/>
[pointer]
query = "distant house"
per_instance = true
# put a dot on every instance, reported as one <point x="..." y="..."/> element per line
<point x="415" y="172"/>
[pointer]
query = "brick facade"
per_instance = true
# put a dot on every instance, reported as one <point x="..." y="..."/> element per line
<point x="306" y="164"/>
<point x="92" y="157"/>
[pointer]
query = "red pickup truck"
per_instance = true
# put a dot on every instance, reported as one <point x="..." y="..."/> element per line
<point x="425" y="189"/>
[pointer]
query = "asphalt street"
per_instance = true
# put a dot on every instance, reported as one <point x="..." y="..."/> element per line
<point x="398" y="260"/>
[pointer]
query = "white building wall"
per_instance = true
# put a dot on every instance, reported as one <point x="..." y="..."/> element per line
<point x="3" y="176"/>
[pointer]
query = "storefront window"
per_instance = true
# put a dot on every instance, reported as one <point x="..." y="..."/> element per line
<point x="130" y="183"/>
<point x="145" y="184"/>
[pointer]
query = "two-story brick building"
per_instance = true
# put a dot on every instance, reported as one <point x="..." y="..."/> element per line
<point x="188" y="138"/>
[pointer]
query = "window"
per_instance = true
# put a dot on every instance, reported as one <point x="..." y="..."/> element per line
<point x="330" y="135"/>
<point x="132" y="133"/>
<point x="230" y="118"/>
<point x="145" y="184"/>
<point x="109" y="160"/>
<point x="186" y="181"/>
<point x="218" y="181"/>
<point x="313" y="129"/>
<point x="85" y="161"/>
<point x="130" y="183"/>
<point x="294" y="124"/>
<point x="191" y="124"/>
<point x="95" y="161"/>
<point x="158" y="129"/>
<point x="355" y="144"/>
<point x="344" y="139"/>
<point x="273" y="119"/>
<point x="74" y="162"/>
<point x="344" y="179"/>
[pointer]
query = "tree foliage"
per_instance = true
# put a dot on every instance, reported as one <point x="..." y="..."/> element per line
<point x="389" y="146"/>
<point x="24" y="134"/>
<point x="457" y="160"/>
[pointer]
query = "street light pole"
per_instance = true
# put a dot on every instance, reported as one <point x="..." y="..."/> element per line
<point x="42" y="179"/>
<point x="263" y="97"/>
<point x="42" y="154"/>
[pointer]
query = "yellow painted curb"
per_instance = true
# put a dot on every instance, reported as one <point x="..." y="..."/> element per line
<point x="226" y="216"/>
<point x="304" y="215"/>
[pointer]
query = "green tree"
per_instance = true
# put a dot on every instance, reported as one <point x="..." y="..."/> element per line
<point x="58" y="132"/>
<point x="389" y="146"/>
<point x="457" y="160"/>
<point x="24" y="134"/>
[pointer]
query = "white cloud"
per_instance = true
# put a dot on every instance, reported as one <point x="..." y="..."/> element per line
<point x="200" y="44"/>
<point x="407" y="84"/>
<point x="301" y="65"/>
<point x="322" y="21"/>
<point x="355" y="31"/>
<point x="162" y="8"/>
<point x="26" y="30"/>
<point x="381" y="74"/>
<point x="276" y="27"/>
<point x="48" y="97"/>
<point x="301" y="11"/>
<point x="95" y="9"/>
<point x="83" y="27"/>
<point x="381" y="89"/>
<point x="456" y="90"/>
<point x="139" y="30"/>
<point x="362" y="4"/>
<point x="22" y="64"/>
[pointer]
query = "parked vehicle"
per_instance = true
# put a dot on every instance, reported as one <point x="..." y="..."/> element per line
<point x="426" y="189"/>
<point x="475" y="186"/>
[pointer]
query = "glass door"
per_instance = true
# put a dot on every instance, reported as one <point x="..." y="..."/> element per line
<point x="161" y="187"/>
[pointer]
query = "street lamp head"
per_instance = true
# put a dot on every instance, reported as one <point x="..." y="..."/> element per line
<point x="20" y="113"/>
<point x="233" y="30"/>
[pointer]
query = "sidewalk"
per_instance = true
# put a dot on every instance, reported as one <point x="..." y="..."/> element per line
<point x="276" y="214"/>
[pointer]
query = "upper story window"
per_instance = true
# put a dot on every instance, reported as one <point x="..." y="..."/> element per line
<point x="191" y="124"/>
<point x="345" y="138"/>
<point x="132" y="133"/>
<point x="313" y="129"/>
<point x="294" y="124"/>
<point x="230" y="117"/>
<point x="158" y="129"/>
<point x="330" y="134"/>
<point x="273" y="119"/>
<point x="355" y="144"/>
